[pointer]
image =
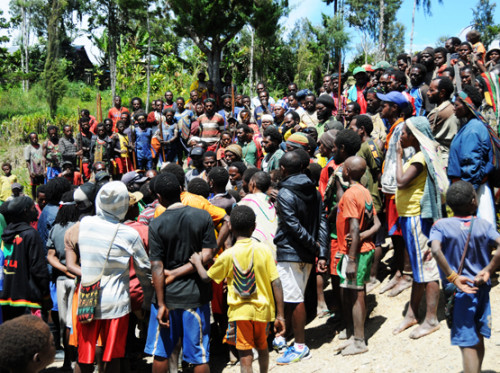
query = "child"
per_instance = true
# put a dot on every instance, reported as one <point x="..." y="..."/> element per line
<point x="101" y="147"/>
<point x="474" y="37"/>
<point x="26" y="345"/>
<point x="35" y="162"/>
<point x="121" y="148"/>
<point x="356" y="223"/>
<point x="142" y="139"/>
<point x="251" y="303"/>
<point x="471" y="312"/>
<point x="6" y="181"/>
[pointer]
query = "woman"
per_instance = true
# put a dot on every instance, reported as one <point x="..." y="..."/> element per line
<point x="418" y="201"/>
<point x="224" y="141"/>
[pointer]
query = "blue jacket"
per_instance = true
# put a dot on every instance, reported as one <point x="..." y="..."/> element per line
<point x="471" y="154"/>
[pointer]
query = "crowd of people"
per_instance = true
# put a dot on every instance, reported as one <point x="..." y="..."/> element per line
<point x="213" y="225"/>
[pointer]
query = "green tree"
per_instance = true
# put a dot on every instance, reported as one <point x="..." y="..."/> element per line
<point x="484" y="22"/>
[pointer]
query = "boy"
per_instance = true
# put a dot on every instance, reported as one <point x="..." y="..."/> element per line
<point x="121" y="148"/>
<point x="250" y="298"/>
<point x="35" y="162"/>
<point x="101" y="147"/>
<point x="142" y="140"/>
<point x="471" y="312"/>
<point x="6" y="181"/>
<point x="356" y="223"/>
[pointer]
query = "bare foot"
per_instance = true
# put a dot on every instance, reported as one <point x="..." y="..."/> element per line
<point x="343" y="334"/>
<point x="405" y="324"/>
<point x="404" y="283"/>
<point x="390" y="284"/>
<point x="424" y="329"/>
<point x="357" y="347"/>
<point x="372" y="285"/>
<point x="344" y="344"/>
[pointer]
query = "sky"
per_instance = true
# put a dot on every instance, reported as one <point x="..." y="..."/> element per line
<point x="449" y="18"/>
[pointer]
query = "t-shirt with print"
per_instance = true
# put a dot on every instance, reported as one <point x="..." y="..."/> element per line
<point x="34" y="155"/>
<point x="173" y="237"/>
<point x="211" y="128"/>
<point x="408" y="199"/>
<point x="356" y="203"/>
<point x="372" y="170"/>
<point x="260" y="306"/>
<point x="453" y="232"/>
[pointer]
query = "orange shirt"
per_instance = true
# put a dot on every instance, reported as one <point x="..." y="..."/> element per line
<point x="325" y="176"/>
<point x="114" y="114"/>
<point x="356" y="203"/>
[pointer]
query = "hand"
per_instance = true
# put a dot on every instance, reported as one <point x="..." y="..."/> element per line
<point x="124" y="151"/>
<point x="362" y="236"/>
<point x="297" y="128"/>
<point x="163" y="317"/>
<point x="169" y="277"/>
<point x="465" y="284"/>
<point x="427" y="255"/>
<point x="351" y="271"/>
<point x="321" y="268"/>
<point x="79" y="153"/>
<point x="279" y="326"/>
<point x="481" y="278"/>
<point x="399" y="149"/>
<point x="69" y="274"/>
<point x="195" y="259"/>
<point x="341" y="112"/>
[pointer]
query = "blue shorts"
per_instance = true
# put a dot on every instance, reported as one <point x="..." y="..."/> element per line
<point x="471" y="317"/>
<point x="53" y="172"/>
<point x="53" y="296"/>
<point x="192" y="325"/>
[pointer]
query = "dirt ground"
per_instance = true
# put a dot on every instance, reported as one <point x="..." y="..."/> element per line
<point x="387" y="353"/>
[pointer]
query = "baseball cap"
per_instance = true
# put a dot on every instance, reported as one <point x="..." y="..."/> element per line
<point x="197" y="151"/>
<point x="368" y="68"/>
<point x="16" y="186"/>
<point x="134" y="198"/>
<point x="395" y="97"/>
<point x="101" y="175"/>
<point x="358" y="70"/>
<point x="382" y="65"/>
<point x="133" y="177"/>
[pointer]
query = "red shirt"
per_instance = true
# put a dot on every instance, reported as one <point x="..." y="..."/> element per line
<point x="114" y="114"/>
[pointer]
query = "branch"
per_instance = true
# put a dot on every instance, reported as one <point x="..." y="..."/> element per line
<point x="196" y="39"/>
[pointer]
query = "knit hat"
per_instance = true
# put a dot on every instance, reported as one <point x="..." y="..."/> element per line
<point x="298" y="140"/>
<point x="267" y="117"/>
<point x="429" y="50"/>
<point x="235" y="149"/>
<point x="326" y="100"/>
<point x="328" y="138"/>
<point x="19" y="205"/>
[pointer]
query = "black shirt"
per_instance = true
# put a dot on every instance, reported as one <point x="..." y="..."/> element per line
<point x="173" y="237"/>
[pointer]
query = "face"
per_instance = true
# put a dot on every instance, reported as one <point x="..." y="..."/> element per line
<point x="209" y="163"/>
<point x="350" y="113"/>
<point x="279" y="112"/>
<point x="169" y="116"/>
<point x="34" y="139"/>
<point x="335" y="84"/>
<point x="406" y="137"/>
<point x="120" y="127"/>
<point x="180" y="105"/>
<point x="53" y="134"/>
<point x="292" y="88"/>
<point x="466" y="77"/>
<point x="193" y="96"/>
<point x="494" y="56"/>
<point x="227" y="103"/>
<point x="450" y="46"/>
<point x="384" y="82"/>
<point x="323" y="150"/>
<point x="239" y="100"/>
<point x="402" y="65"/>
<point x="353" y="125"/>
<point x="268" y="145"/>
<point x="234" y="175"/>
<point x="6" y="170"/>
<point x="288" y="121"/>
<point x="415" y="76"/>
<point x="427" y="59"/>
<point x="246" y="102"/>
<point x="136" y="105"/>
<point x="108" y="125"/>
<point x="117" y="101"/>
<point x="439" y="59"/>
<point x="266" y="123"/>
<point x="310" y="103"/>
<point x="153" y="105"/>
<point x="322" y="111"/>
<point x="225" y="140"/>
<point x="230" y="157"/>
<point x="245" y="117"/>
<point x="372" y="102"/>
<point x="433" y="92"/>
<point x="200" y="109"/>
<point x="159" y="105"/>
<point x="327" y="83"/>
<point x="260" y="87"/>
<point x="169" y="96"/>
<point x="463" y="52"/>
<point x="264" y="98"/>
<point x="142" y="121"/>
<point x="461" y="110"/>
<point x="101" y="131"/>
<point x="293" y="102"/>
<point x="387" y="110"/>
<point x="41" y="199"/>
<point x="339" y="155"/>
<point x="241" y="135"/>
<point x="209" y="107"/>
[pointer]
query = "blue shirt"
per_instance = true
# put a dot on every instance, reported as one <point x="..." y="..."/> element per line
<point x="471" y="154"/>
<point x="46" y="221"/>
<point x="259" y="111"/>
<point x="452" y="233"/>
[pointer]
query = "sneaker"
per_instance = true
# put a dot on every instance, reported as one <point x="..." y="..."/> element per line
<point x="291" y="355"/>
<point x="279" y="345"/>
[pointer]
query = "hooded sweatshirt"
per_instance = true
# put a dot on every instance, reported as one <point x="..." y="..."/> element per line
<point x="94" y="240"/>
<point x="26" y="277"/>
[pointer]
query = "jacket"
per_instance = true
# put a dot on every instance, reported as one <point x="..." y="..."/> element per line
<point x="301" y="222"/>
<point x="26" y="277"/>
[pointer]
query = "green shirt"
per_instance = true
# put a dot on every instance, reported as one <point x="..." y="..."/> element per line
<point x="249" y="151"/>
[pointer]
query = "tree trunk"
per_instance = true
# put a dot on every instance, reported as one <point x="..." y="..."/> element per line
<point x="112" y="40"/>
<point x="213" y="59"/>
<point x="381" y="45"/>
<point x="148" y="65"/>
<point x="412" y="26"/>
<point x="250" y="81"/>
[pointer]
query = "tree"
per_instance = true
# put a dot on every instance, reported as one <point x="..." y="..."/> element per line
<point x="483" y="21"/>
<point x="212" y="24"/>
<point x="426" y="6"/>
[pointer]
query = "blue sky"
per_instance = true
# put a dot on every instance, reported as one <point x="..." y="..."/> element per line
<point x="449" y="18"/>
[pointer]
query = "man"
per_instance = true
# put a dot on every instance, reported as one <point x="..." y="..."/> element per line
<point x="169" y="101"/>
<point x="326" y="145"/>
<point x="402" y="62"/>
<point x="271" y="143"/>
<point x="309" y="116"/>
<point x="356" y="92"/>
<point x="115" y="112"/>
<point x="209" y="161"/>
<point x="294" y="104"/>
<point x="211" y="123"/>
<point x="102" y="239"/>
<point x="51" y="153"/>
<point x="384" y="82"/>
<point x="373" y="108"/>
<point x="184" y="119"/>
<point x="193" y="99"/>
<point x="419" y="89"/>
<point x="444" y="123"/>
<point x="236" y="171"/>
<point x="217" y="179"/>
<point x="327" y="85"/>
<point x="196" y="155"/>
<point x="324" y="109"/>
<point x="264" y="107"/>
<point x="427" y="59"/>
<point x="466" y="75"/>
<point x="352" y="109"/>
<point x="101" y="147"/>
<point x="93" y="121"/>
<point x="452" y="45"/>
<point x="199" y="86"/>
<point x="35" y="162"/>
<point x="260" y="87"/>
<point x="226" y="110"/>
<point x="340" y="103"/>
<point x="300" y="239"/>
<point x="68" y="146"/>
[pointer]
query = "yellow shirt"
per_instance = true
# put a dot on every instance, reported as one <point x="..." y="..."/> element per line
<point x="408" y="199"/>
<point x="5" y="186"/>
<point x="260" y="306"/>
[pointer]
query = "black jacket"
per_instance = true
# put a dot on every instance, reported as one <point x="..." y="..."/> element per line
<point x="301" y="222"/>
<point x="26" y="277"/>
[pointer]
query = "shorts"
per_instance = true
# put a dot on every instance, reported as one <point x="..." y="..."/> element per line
<point x="114" y="338"/>
<point x="192" y="325"/>
<point x="471" y="316"/>
<point x="53" y="296"/>
<point x="415" y="234"/>
<point x="381" y="235"/>
<point x="65" y="291"/>
<point x="37" y="180"/>
<point x="365" y="261"/>
<point x="52" y="172"/>
<point x="335" y="256"/>
<point x="393" y="228"/>
<point x="294" y="276"/>
<point x="247" y="334"/>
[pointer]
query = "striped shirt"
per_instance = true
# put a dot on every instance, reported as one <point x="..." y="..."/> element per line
<point x="211" y="128"/>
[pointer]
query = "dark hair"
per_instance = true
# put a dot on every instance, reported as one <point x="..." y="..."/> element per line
<point x="314" y="171"/>
<point x="240" y="166"/>
<point x="441" y="50"/>
<point x="56" y="187"/>
<point x="455" y="41"/>
<point x="473" y="94"/>
<point x="262" y="181"/>
<point x="50" y="128"/>
<point x="167" y="186"/>
<point x="85" y="112"/>
<point x="219" y="176"/>
<point x="135" y="99"/>
<point x="84" y="119"/>
<point x="180" y="98"/>
<point x="209" y="154"/>
<point x="273" y="133"/>
<point x="466" y="43"/>
<point x="305" y="158"/>
<point x="67" y="213"/>
<point x="199" y="186"/>
<point x="350" y="140"/>
<point x="249" y="172"/>
<point x="292" y="94"/>
<point x="355" y="106"/>
<point x="312" y="143"/>
<point x="291" y="162"/>
<point x="467" y="68"/>
<point x="311" y="95"/>
<point x="41" y="189"/>
<point x="147" y="192"/>
<point x="175" y="170"/>
<point x="399" y="76"/>
<point x="446" y="84"/>
<point x="294" y="114"/>
<point x="422" y="68"/>
<point x="365" y="122"/>
<point x="7" y="164"/>
<point x="450" y="70"/>
<point x="242" y="219"/>
<point x="107" y="120"/>
<point x="245" y="128"/>
<point x="20" y="339"/>
<point x="141" y="113"/>
<point x="402" y="56"/>
<point x="119" y="122"/>
<point x="459" y="195"/>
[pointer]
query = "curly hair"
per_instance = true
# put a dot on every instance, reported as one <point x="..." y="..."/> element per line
<point x="350" y="140"/>
<point x="56" y="188"/>
<point x="198" y="186"/>
<point x="67" y="213"/>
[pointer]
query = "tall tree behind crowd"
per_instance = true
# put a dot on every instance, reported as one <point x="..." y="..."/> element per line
<point x="483" y="21"/>
<point x="426" y="6"/>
